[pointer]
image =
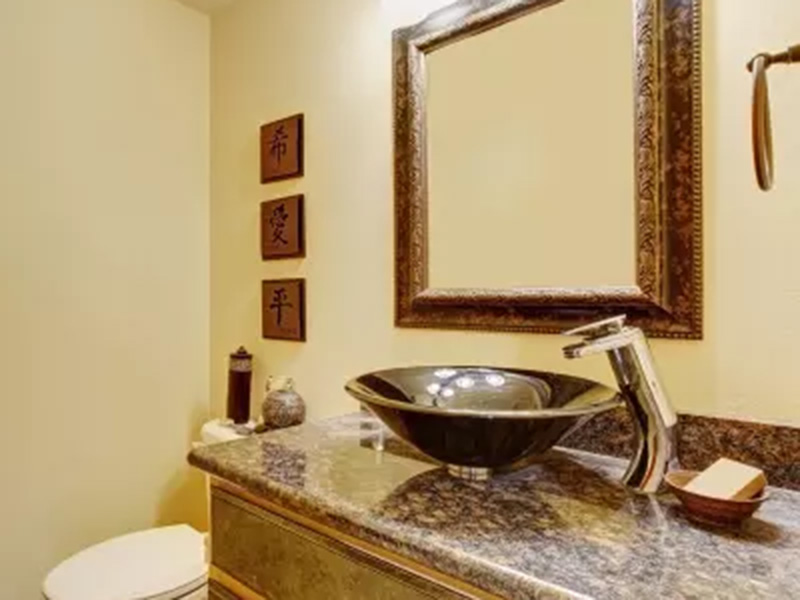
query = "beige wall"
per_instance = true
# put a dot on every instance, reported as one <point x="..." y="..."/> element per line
<point x="104" y="262"/>
<point x="332" y="60"/>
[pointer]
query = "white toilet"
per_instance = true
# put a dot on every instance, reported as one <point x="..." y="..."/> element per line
<point x="167" y="563"/>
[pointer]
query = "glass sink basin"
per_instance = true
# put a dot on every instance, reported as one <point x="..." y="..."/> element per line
<point x="480" y="419"/>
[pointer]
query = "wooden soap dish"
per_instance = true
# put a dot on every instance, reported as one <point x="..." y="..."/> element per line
<point x="707" y="509"/>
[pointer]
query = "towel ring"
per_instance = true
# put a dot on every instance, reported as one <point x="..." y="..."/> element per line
<point x="761" y="118"/>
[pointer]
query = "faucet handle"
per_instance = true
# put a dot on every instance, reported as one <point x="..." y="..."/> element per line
<point x="599" y="329"/>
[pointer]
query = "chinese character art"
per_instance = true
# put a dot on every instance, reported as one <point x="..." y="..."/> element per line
<point x="278" y="223"/>
<point x="280" y="300"/>
<point x="281" y="149"/>
<point x="277" y="145"/>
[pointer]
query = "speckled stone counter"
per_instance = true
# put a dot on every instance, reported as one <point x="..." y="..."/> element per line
<point x="561" y="528"/>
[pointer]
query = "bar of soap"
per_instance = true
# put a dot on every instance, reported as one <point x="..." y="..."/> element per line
<point x="728" y="480"/>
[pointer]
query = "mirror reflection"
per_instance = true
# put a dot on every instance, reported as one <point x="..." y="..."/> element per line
<point x="531" y="149"/>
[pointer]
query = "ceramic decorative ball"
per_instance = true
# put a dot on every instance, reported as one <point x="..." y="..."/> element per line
<point x="283" y="406"/>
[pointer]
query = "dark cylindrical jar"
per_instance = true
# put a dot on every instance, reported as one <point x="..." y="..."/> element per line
<point x="240" y="374"/>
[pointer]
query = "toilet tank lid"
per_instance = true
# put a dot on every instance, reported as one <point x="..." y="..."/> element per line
<point x="216" y="431"/>
<point x="162" y="564"/>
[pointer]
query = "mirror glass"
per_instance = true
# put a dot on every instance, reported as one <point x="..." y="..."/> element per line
<point x="531" y="151"/>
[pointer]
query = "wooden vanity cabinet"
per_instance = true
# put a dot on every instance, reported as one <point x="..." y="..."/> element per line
<point x="261" y="551"/>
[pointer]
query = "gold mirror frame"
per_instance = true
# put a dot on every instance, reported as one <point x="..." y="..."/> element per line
<point x="667" y="300"/>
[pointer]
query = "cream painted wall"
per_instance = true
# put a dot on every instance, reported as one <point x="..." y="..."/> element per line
<point x="104" y="261"/>
<point x="206" y="6"/>
<point x="332" y="60"/>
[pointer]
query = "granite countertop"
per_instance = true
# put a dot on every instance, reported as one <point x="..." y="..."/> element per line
<point x="561" y="528"/>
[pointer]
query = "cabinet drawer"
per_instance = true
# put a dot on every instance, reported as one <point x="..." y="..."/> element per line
<point x="283" y="560"/>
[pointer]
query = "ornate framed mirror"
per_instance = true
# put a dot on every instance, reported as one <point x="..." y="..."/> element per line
<point x="548" y="166"/>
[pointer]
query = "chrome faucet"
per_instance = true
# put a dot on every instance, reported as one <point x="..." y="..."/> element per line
<point x="653" y="415"/>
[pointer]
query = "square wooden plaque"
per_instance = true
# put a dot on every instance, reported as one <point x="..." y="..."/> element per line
<point x="283" y="309"/>
<point x="283" y="228"/>
<point x="282" y="149"/>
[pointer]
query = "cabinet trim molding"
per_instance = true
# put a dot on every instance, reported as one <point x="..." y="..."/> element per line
<point x="232" y="585"/>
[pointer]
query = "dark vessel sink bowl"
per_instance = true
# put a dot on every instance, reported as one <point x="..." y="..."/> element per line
<point x="480" y="419"/>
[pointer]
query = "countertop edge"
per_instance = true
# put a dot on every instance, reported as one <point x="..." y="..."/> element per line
<point x="460" y="565"/>
<point x="296" y="470"/>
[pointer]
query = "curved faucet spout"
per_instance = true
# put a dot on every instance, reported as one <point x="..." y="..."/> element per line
<point x="653" y="416"/>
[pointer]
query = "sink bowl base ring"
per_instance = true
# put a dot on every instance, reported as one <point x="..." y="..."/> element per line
<point x="469" y="473"/>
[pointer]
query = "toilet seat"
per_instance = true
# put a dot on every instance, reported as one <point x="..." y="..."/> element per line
<point x="167" y="563"/>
